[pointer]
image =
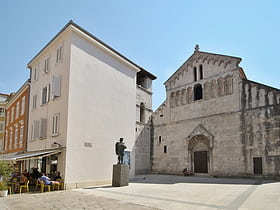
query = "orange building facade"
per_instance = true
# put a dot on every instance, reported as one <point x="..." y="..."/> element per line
<point x="15" y="139"/>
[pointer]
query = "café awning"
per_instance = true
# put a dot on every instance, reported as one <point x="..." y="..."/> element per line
<point x="30" y="155"/>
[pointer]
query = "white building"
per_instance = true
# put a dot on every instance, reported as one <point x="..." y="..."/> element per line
<point x="82" y="100"/>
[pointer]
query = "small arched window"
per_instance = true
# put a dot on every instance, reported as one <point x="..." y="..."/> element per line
<point x="142" y="112"/>
<point x="195" y="74"/>
<point x="201" y="71"/>
<point x="197" y="92"/>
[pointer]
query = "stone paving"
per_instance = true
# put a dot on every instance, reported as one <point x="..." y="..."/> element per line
<point x="159" y="192"/>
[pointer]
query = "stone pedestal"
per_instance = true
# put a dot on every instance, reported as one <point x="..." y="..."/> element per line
<point x="120" y="175"/>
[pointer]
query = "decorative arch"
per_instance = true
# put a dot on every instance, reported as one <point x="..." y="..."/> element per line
<point x="200" y="145"/>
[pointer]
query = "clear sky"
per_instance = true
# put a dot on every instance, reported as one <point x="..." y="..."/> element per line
<point x="158" y="35"/>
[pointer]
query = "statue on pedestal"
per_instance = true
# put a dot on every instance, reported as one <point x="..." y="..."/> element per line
<point x="120" y="147"/>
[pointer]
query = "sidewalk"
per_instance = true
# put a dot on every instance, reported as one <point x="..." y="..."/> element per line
<point x="158" y="192"/>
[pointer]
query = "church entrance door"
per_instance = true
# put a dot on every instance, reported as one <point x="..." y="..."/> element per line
<point x="200" y="162"/>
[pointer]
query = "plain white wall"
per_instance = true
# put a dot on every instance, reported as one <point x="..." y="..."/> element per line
<point x="102" y="98"/>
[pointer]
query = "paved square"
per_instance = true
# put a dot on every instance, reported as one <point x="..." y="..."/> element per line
<point x="179" y="192"/>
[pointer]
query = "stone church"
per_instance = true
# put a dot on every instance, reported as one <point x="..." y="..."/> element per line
<point x="215" y="121"/>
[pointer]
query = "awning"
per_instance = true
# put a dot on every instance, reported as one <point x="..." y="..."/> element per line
<point x="31" y="154"/>
<point x="8" y="156"/>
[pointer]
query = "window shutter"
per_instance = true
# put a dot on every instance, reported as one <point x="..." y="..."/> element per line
<point x="43" y="131"/>
<point x="36" y="129"/>
<point x="56" y="86"/>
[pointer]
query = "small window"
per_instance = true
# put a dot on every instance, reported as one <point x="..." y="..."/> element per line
<point x="165" y="149"/>
<point x="36" y="72"/>
<point x="43" y="130"/>
<point x="12" y="114"/>
<point x="34" y="105"/>
<point x="56" y="86"/>
<point x="159" y="139"/>
<point x="46" y="94"/>
<point x="194" y="74"/>
<point x="142" y="112"/>
<point x="22" y="105"/>
<point x="47" y="65"/>
<point x="201" y="71"/>
<point x="17" y="110"/>
<point x="197" y="92"/>
<point x="55" y="125"/>
<point x="59" y="53"/>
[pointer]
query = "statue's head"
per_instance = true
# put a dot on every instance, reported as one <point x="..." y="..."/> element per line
<point x="121" y="139"/>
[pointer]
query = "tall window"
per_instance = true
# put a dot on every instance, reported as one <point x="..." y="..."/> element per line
<point x="56" y="86"/>
<point x="55" y="125"/>
<point x="12" y="114"/>
<point x="36" y="72"/>
<point x="47" y="65"/>
<point x="34" y="105"/>
<point x="22" y="105"/>
<point x="46" y="94"/>
<point x="16" y="138"/>
<point x="11" y="139"/>
<point x="142" y="112"/>
<point x="195" y="74"/>
<point x="8" y="118"/>
<point x="21" y="136"/>
<point x="201" y="71"/>
<point x="35" y="129"/>
<point x="197" y="92"/>
<point x="43" y="130"/>
<point x="59" y="53"/>
<point x="17" y="110"/>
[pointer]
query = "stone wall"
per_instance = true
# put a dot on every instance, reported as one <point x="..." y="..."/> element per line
<point x="260" y="126"/>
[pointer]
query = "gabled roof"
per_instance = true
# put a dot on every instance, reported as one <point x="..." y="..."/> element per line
<point x="205" y="56"/>
<point x="71" y="23"/>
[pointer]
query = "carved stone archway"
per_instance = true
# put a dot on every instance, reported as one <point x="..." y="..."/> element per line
<point x="200" y="144"/>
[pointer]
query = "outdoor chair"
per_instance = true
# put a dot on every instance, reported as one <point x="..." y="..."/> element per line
<point x="43" y="186"/>
<point x="24" y="186"/>
<point x="61" y="184"/>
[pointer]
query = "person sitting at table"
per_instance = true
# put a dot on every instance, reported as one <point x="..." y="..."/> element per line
<point x="22" y="179"/>
<point x="47" y="180"/>
<point x="57" y="176"/>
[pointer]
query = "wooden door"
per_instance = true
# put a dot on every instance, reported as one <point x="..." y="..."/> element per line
<point x="200" y="162"/>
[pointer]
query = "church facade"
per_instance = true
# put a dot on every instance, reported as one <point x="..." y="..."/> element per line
<point x="215" y="121"/>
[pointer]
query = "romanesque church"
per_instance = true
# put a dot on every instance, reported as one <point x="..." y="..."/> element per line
<point x="215" y="121"/>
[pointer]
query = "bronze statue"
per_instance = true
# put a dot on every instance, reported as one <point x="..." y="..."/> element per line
<point x="120" y="147"/>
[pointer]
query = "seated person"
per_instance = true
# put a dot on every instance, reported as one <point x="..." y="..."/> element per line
<point x="57" y="176"/>
<point x="22" y="179"/>
<point x="47" y="180"/>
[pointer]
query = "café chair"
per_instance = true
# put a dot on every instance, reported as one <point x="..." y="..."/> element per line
<point x="24" y="186"/>
<point x="61" y="184"/>
<point x="43" y="186"/>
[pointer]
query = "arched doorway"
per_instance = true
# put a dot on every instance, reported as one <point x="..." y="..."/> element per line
<point x="199" y="153"/>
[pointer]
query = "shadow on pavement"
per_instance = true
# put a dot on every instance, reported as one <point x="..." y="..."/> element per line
<point x="175" y="179"/>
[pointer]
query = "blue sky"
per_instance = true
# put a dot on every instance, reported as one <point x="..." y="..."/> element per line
<point x="156" y="34"/>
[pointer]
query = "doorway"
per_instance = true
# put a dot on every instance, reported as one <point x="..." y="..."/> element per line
<point x="200" y="162"/>
<point x="257" y="165"/>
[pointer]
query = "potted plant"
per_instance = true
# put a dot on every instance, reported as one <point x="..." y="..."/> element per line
<point x="6" y="168"/>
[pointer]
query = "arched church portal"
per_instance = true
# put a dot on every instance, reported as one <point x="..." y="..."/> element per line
<point x="199" y="154"/>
